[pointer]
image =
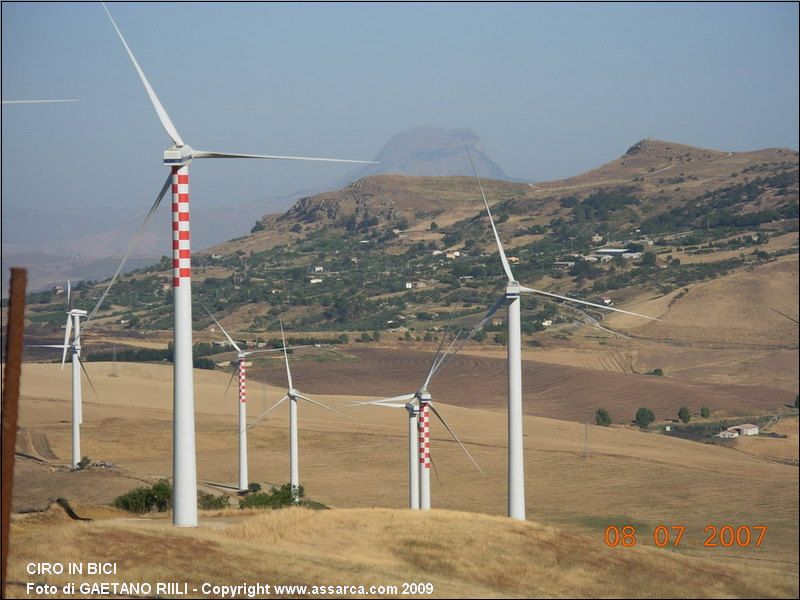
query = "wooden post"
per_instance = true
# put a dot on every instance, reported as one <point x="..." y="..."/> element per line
<point x="16" y="324"/>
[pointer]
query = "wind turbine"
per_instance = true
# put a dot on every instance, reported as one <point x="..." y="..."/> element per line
<point x="292" y="395"/>
<point x="177" y="157"/>
<point x="73" y="325"/>
<point x="419" y="456"/>
<point x="516" y="472"/>
<point x="241" y="370"/>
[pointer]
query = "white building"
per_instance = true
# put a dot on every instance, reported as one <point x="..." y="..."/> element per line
<point x="744" y="429"/>
<point x="319" y="269"/>
<point x="728" y="434"/>
<point x="316" y="280"/>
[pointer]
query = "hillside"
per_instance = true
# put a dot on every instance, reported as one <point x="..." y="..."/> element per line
<point x="458" y="554"/>
<point x="381" y="234"/>
<point x="579" y="480"/>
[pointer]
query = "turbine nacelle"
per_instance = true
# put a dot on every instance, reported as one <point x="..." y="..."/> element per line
<point x="178" y="156"/>
<point x="76" y="312"/>
<point x="423" y="396"/>
<point x="292" y="393"/>
<point x="513" y="289"/>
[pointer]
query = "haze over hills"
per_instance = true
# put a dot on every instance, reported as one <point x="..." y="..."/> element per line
<point x="91" y="247"/>
<point x="431" y="152"/>
<point x="386" y="245"/>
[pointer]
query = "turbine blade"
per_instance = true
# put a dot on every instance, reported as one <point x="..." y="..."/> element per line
<point x="36" y="101"/>
<point x="455" y="437"/>
<point x="46" y="346"/>
<point x="433" y="365"/>
<point x="568" y="299"/>
<point x="132" y="245"/>
<point x="67" y="331"/>
<point x="286" y="356"/>
<point x="89" y="379"/>
<point x="230" y="339"/>
<point x="266" y="412"/>
<point x="69" y="295"/>
<point x="211" y="154"/>
<point x="320" y="404"/>
<point x="506" y="266"/>
<point x="249" y="352"/>
<point x="475" y="329"/>
<point x="233" y="373"/>
<point x="385" y="401"/>
<point x="448" y="354"/>
<point x="782" y="314"/>
<point x="162" y="114"/>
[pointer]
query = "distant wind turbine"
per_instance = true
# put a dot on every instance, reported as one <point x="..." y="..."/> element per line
<point x="73" y="325"/>
<point x="419" y="457"/>
<point x="516" y="472"/>
<point x="177" y="157"/>
<point x="241" y="370"/>
<point x="292" y="394"/>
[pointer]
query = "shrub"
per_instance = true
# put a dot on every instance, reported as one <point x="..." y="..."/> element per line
<point x="684" y="415"/>
<point x="211" y="502"/>
<point x="277" y="497"/>
<point x="138" y="500"/>
<point x="656" y="372"/>
<point x="145" y="499"/>
<point x="254" y="487"/>
<point x="644" y="416"/>
<point x="705" y="412"/>
<point x="601" y="417"/>
<point x="84" y="462"/>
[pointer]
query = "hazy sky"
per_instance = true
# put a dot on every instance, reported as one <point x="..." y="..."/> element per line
<point x="552" y="90"/>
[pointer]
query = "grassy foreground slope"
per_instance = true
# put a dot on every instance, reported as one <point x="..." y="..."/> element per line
<point x="461" y="554"/>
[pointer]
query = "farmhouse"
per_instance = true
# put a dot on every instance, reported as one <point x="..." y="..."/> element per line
<point x="611" y="251"/>
<point x="728" y="434"/>
<point x="744" y="429"/>
<point x="316" y="280"/>
<point x="319" y="269"/>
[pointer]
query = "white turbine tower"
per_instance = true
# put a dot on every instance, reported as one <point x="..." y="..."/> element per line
<point x="419" y="456"/>
<point x="177" y="157"/>
<point x="73" y="325"/>
<point x="241" y="370"/>
<point x="292" y="395"/>
<point x="516" y="472"/>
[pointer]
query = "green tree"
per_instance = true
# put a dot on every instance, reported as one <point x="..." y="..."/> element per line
<point x="601" y="417"/>
<point x="434" y="226"/>
<point x="684" y="415"/>
<point x="296" y="228"/>
<point x="376" y="336"/>
<point x="649" y="259"/>
<point x="644" y="416"/>
<point x="705" y="412"/>
<point x="407" y="336"/>
<point x="344" y="339"/>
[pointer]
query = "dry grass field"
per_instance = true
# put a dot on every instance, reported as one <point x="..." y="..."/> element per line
<point x="463" y="555"/>
<point x="359" y="464"/>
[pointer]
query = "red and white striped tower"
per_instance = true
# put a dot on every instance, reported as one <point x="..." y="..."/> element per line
<point x="184" y="465"/>
<point x="243" y="483"/>
<point x="423" y="421"/>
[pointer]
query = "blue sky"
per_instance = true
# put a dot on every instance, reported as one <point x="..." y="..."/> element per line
<point x="552" y="90"/>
